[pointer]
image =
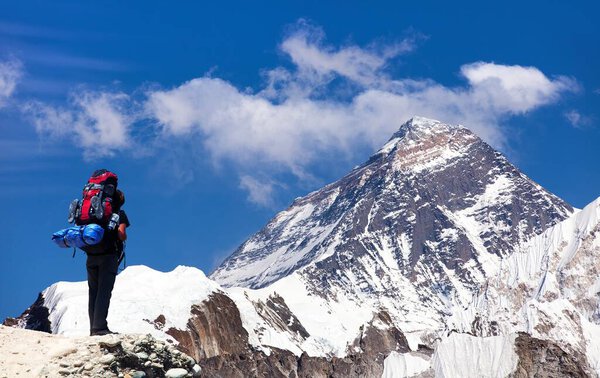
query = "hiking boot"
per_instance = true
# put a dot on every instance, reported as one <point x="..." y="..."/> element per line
<point x="103" y="332"/>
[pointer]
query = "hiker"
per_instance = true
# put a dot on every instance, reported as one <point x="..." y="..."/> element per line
<point x="100" y="230"/>
<point x="102" y="267"/>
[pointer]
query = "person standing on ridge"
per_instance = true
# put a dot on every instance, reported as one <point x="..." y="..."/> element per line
<point x="102" y="267"/>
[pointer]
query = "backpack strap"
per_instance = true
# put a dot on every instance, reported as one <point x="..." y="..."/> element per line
<point x="123" y="258"/>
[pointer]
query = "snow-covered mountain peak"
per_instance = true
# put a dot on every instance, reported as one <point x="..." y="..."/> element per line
<point x="435" y="206"/>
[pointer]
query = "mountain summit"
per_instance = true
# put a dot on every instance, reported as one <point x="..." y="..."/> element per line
<point x="423" y="143"/>
<point x="425" y="220"/>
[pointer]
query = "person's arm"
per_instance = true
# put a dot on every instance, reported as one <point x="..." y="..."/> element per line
<point x="122" y="232"/>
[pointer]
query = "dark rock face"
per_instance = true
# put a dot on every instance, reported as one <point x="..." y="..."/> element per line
<point x="36" y="317"/>
<point x="283" y="363"/>
<point x="375" y="344"/>
<point x="543" y="358"/>
<point x="214" y="328"/>
<point x="253" y="364"/>
<point x="276" y="312"/>
<point x="216" y="339"/>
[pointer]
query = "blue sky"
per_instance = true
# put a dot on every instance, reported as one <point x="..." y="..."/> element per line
<point x="216" y="116"/>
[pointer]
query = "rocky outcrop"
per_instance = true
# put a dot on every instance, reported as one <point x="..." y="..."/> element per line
<point x="214" y="328"/>
<point x="36" y="317"/>
<point x="39" y="354"/>
<point x="544" y="358"/>
<point x="276" y="312"/>
<point x="216" y="338"/>
<point x="283" y="363"/>
<point x="375" y="342"/>
<point x="130" y="354"/>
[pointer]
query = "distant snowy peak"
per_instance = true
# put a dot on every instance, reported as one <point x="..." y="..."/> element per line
<point x="435" y="206"/>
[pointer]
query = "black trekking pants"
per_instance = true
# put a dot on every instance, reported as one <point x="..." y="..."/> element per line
<point x="101" y="272"/>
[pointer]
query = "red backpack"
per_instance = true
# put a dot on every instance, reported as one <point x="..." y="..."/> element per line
<point x="97" y="204"/>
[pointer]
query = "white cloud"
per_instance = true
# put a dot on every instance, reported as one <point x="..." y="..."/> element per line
<point x="513" y="89"/>
<point x="316" y="61"/>
<point x="577" y="120"/>
<point x="251" y="130"/>
<point x="298" y="120"/>
<point x="10" y="73"/>
<point x="260" y="192"/>
<point x="296" y="131"/>
<point x="98" y="122"/>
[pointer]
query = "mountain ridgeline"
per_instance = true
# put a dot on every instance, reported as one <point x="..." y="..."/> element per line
<point x="436" y="257"/>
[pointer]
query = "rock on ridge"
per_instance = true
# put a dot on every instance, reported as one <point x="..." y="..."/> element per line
<point x="43" y="354"/>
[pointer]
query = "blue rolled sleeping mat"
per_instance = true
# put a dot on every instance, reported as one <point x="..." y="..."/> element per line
<point x="78" y="236"/>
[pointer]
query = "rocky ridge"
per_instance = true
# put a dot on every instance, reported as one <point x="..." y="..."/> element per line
<point x="126" y="356"/>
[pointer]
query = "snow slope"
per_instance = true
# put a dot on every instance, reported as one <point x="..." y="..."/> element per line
<point x="466" y="356"/>
<point x="400" y="365"/>
<point x="549" y="288"/>
<point x="140" y="295"/>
